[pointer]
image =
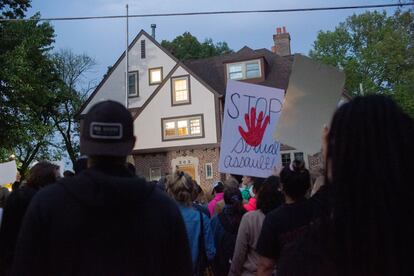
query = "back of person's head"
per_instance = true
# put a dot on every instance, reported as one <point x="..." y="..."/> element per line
<point x="180" y="186"/>
<point x="237" y="177"/>
<point x="197" y="191"/>
<point x="68" y="173"/>
<point x="80" y="165"/>
<point x="131" y="168"/>
<point x="257" y="184"/>
<point x="370" y="146"/>
<point x="234" y="202"/>
<point x="42" y="174"/>
<point x="218" y="187"/>
<point x="107" y="134"/>
<point x="295" y="180"/>
<point x="269" y="196"/>
<point x="231" y="182"/>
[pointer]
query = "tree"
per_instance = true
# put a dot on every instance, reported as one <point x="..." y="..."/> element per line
<point x="376" y="52"/>
<point x="187" y="46"/>
<point x="29" y="90"/>
<point x="71" y="69"/>
<point x="13" y="8"/>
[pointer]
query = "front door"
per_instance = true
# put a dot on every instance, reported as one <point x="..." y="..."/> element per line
<point x="188" y="169"/>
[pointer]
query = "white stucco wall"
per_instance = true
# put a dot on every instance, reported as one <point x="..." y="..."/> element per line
<point x="147" y="126"/>
<point x="114" y="86"/>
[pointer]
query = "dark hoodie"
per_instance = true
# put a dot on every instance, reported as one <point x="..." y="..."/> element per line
<point x="102" y="222"/>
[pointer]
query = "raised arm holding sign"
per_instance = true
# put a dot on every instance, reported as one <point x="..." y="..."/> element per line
<point x="251" y="113"/>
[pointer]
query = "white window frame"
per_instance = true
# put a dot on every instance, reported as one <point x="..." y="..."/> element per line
<point x="136" y="94"/>
<point x="211" y="170"/>
<point x="174" y="102"/>
<point x="190" y="135"/>
<point x="151" y="177"/>
<point x="244" y="69"/>
<point x="151" y="82"/>
<point x="292" y="156"/>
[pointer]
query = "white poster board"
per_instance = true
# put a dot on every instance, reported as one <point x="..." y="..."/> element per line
<point x="312" y="96"/>
<point x="8" y="172"/>
<point x="251" y="113"/>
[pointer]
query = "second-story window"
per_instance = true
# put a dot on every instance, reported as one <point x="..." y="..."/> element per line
<point x="244" y="70"/>
<point x="182" y="127"/>
<point x="180" y="88"/>
<point x="133" y="84"/>
<point x="155" y="75"/>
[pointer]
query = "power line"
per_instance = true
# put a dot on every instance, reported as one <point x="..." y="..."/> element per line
<point x="213" y="12"/>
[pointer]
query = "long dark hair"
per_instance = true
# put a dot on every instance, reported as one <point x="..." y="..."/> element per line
<point x="269" y="196"/>
<point x="370" y="147"/>
<point x="234" y="206"/>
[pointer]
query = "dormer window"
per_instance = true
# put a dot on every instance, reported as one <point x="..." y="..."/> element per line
<point x="251" y="69"/>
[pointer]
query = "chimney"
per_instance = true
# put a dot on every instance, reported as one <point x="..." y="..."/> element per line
<point x="281" y="42"/>
<point x="153" y="26"/>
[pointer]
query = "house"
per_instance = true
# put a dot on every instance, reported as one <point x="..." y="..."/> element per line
<point x="177" y="106"/>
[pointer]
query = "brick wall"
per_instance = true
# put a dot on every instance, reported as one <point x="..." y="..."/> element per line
<point x="144" y="162"/>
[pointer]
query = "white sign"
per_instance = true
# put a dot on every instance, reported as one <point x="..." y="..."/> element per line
<point x="311" y="99"/>
<point x="251" y="113"/>
<point x="8" y="172"/>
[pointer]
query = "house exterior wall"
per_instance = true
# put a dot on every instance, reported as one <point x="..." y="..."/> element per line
<point x="114" y="86"/>
<point x="112" y="89"/>
<point x="166" y="160"/>
<point x="154" y="57"/>
<point x="148" y="128"/>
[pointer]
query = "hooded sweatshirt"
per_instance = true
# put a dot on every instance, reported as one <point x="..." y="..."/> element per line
<point x="104" y="221"/>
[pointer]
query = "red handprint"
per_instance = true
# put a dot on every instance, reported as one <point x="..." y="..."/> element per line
<point x="255" y="130"/>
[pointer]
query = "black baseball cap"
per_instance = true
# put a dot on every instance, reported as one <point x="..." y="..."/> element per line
<point x="107" y="130"/>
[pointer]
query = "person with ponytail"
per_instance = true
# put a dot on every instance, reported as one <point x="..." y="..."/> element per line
<point x="287" y="222"/>
<point x="369" y="166"/>
<point x="180" y="186"/>
<point x="225" y="226"/>
<point x="245" y="258"/>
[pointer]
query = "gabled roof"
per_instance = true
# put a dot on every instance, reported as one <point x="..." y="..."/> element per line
<point x="138" y="110"/>
<point x="212" y="70"/>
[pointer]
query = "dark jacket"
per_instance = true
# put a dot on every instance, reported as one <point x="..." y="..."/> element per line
<point x="104" y="221"/>
<point x="225" y="226"/>
<point x="13" y="213"/>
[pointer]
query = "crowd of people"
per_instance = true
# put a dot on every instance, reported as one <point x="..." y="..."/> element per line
<point x="105" y="220"/>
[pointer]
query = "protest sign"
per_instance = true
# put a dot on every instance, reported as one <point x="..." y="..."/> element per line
<point x="8" y="172"/>
<point x="312" y="96"/>
<point x="251" y="113"/>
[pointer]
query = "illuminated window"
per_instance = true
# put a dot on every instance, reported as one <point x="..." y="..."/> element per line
<point x="170" y="129"/>
<point x="244" y="70"/>
<point x="155" y="75"/>
<point x="133" y="84"/>
<point x="182" y="128"/>
<point x="180" y="90"/>
<point x="195" y="126"/>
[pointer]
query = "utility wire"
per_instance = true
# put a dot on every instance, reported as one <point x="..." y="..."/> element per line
<point x="211" y="13"/>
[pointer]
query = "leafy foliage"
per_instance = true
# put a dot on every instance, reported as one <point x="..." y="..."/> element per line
<point x="376" y="52"/>
<point x="29" y="89"/>
<point x="187" y="46"/>
<point x="13" y="8"/>
<point x="71" y="69"/>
